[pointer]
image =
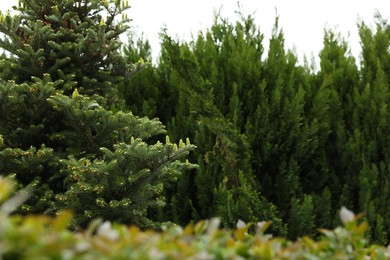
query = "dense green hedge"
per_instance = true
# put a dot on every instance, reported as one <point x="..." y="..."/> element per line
<point x="276" y="138"/>
<point x="43" y="237"/>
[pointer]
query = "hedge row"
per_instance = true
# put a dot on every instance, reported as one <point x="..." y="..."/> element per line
<point x="43" y="237"/>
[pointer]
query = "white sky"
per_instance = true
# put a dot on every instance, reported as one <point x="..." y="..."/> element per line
<point x="303" y="21"/>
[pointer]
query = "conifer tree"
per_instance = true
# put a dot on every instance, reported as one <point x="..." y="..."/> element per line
<point x="299" y="211"/>
<point x="58" y="83"/>
<point x="270" y="129"/>
<point x="372" y="119"/>
<point x="212" y="76"/>
<point x="142" y="92"/>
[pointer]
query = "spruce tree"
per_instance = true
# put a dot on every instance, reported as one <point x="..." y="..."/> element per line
<point x="59" y="75"/>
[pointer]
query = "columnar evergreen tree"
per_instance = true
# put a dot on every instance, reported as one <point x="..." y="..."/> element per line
<point x="264" y="105"/>
<point x="59" y="74"/>
<point x="213" y="76"/>
<point x="372" y="119"/>
<point x="273" y="132"/>
<point x="301" y="210"/>
<point x="332" y="96"/>
<point x="143" y="90"/>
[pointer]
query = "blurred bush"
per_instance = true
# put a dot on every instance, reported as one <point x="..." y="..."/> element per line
<point x="43" y="237"/>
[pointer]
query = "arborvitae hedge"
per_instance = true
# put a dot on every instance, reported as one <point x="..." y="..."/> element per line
<point x="289" y="142"/>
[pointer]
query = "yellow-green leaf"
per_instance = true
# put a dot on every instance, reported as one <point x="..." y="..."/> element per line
<point x="62" y="220"/>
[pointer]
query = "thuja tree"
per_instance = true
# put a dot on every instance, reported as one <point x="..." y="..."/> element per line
<point x="215" y="79"/>
<point x="371" y="118"/>
<point x="58" y="80"/>
<point x="143" y="92"/>
<point x="336" y="83"/>
<point x="257" y="142"/>
<point x="356" y="147"/>
<point x="272" y="130"/>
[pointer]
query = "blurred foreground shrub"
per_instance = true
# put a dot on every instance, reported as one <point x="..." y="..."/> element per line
<point x="43" y="237"/>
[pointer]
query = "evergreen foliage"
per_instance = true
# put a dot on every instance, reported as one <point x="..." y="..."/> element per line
<point x="225" y="184"/>
<point x="143" y="90"/>
<point x="41" y="237"/>
<point x="70" y="40"/>
<point x="276" y="140"/>
<point x="61" y="132"/>
<point x="303" y="142"/>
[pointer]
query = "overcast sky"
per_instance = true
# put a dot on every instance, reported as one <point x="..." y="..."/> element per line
<point x="302" y="21"/>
